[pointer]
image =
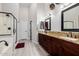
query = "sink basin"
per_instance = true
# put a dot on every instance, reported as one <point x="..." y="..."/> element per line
<point x="70" y="39"/>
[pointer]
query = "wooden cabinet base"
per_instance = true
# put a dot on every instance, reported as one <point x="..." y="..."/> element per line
<point x="58" y="47"/>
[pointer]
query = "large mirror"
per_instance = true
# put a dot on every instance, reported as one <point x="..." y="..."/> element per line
<point x="70" y="18"/>
<point x="48" y="23"/>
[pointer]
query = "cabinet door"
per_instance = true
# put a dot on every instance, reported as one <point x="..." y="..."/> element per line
<point x="45" y="42"/>
<point x="70" y="49"/>
<point x="56" y="47"/>
<point x="40" y="38"/>
<point x="48" y="44"/>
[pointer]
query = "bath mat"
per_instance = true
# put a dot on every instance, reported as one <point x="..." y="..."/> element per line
<point x="20" y="45"/>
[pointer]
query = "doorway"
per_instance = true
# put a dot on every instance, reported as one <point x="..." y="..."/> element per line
<point x="30" y="30"/>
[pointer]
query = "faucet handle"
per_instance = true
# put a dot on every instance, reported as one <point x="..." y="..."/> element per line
<point x="67" y="35"/>
<point x="6" y="43"/>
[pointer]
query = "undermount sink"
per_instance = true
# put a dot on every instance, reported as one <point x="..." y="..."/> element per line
<point x="68" y="38"/>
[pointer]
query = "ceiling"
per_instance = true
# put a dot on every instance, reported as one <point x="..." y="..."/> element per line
<point x="25" y="4"/>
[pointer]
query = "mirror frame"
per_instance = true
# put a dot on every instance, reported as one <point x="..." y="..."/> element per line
<point x="49" y="23"/>
<point x="62" y="19"/>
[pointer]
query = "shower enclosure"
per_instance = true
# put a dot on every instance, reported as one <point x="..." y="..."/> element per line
<point x="8" y="25"/>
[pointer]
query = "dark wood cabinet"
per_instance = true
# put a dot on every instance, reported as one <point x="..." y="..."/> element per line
<point x="45" y="43"/>
<point x="58" y="47"/>
<point x="50" y="44"/>
<point x="55" y="47"/>
<point x="69" y="48"/>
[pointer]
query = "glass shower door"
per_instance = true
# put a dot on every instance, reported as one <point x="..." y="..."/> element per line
<point x="6" y="24"/>
<point x="8" y="31"/>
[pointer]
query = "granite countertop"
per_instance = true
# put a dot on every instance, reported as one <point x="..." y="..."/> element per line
<point x="62" y="36"/>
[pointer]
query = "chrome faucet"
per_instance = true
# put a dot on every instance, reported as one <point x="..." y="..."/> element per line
<point x="5" y="42"/>
<point x="69" y="34"/>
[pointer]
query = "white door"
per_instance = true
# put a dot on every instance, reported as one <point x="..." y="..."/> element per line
<point x="24" y="30"/>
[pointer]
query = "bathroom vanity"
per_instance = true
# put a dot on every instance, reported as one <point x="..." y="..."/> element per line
<point x="58" y="45"/>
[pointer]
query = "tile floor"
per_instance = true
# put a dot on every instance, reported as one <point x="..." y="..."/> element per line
<point x="30" y="49"/>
